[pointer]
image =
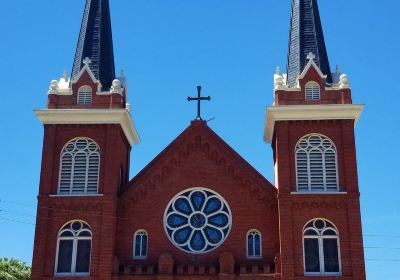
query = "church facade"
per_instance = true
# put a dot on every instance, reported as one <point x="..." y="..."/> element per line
<point x="199" y="210"/>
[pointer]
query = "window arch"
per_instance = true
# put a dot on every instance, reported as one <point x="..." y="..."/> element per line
<point x="74" y="245"/>
<point x="321" y="248"/>
<point x="313" y="91"/>
<point x="85" y="95"/>
<point x="254" y="244"/>
<point x="140" y="244"/>
<point x="316" y="164"/>
<point x="79" y="167"/>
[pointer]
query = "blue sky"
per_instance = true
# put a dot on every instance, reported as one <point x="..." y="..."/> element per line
<point x="231" y="48"/>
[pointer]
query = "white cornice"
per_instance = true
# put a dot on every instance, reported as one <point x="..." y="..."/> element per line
<point x="309" y="112"/>
<point x="91" y="116"/>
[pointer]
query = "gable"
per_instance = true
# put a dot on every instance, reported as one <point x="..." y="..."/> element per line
<point x="199" y="149"/>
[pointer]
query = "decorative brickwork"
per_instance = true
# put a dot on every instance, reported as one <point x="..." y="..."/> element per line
<point x="213" y="241"/>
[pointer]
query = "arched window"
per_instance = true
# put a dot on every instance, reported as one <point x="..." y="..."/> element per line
<point x="316" y="164"/>
<point x="85" y="95"/>
<point x="140" y="244"/>
<point x="79" y="167"/>
<point x="254" y="244"/>
<point x="74" y="247"/>
<point x="313" y="91"/>
<point x="321" y="248"/>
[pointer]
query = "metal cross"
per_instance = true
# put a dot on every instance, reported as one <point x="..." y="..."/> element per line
<point x="199" y="99"/>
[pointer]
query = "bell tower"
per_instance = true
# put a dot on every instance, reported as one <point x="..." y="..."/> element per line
<point x="311" y="129"/>
<point x="88" y="136"/>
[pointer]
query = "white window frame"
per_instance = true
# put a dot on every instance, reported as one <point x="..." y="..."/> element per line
<point x="75" y="240"/>
<point x="253" y="232"/>
<point x="141" y="233"/>
<point x="321" y="238"/>
<point x="324" y="168"/>
<point x="312" y="91"/>
<point x="85" y="95"/>
<point x="64" y="151"/>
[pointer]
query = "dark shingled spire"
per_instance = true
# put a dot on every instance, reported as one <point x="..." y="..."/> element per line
<point x="306" y="36"/>
<point x="95" y="42"/>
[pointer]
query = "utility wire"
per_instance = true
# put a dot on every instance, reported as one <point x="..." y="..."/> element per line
<point x="377" y="260"/>
<point x="122" y="218"/>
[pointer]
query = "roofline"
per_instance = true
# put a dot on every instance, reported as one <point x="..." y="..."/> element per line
<point x="263" y="180"/>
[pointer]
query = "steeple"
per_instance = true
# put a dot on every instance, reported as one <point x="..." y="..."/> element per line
<point x="306" y="36"/>
<point x="95" y="42"/>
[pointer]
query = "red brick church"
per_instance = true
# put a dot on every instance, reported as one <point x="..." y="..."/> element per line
<point x="199" y="210"/>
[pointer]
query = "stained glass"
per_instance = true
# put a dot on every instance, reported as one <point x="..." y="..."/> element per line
<point x="197" y="220"/>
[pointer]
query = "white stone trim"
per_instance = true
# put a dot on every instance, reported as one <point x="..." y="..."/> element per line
<point x="141" y="232"/>
<point x="309" y="112"/>
<point x="310" y="63"/>
<point x="225" y="230"/>
<point x="320" y="237"/>
<point x="75" y="238"/>
<point x="87" y="69"/>
<point x="247" y="245"/>
<point x="91" y="116"/>
<point x="76" y="195"/>
<point x="318" y="193"/>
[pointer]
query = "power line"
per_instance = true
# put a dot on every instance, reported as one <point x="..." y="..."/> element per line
<point x="17" y="221"/>
<point x="122" y="218"/>
<point x="377" y="260"/>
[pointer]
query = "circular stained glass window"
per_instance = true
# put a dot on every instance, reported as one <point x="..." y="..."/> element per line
<point x="197" y="220"/>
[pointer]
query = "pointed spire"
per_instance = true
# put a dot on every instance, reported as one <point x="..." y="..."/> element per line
<point x="95" y="43"/>
<point x="306" y="36"/>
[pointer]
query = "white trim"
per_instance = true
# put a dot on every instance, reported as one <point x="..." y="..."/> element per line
<point x="312" y="91"/>
<point x="87" y="69"/>
<point x="313" y="193"/>
<point x="247" y="245"/>
<point x="76" y="195"/>
<point x="141" y="244"/>
<point x="310" y="63"/>
<point x="88" y="154"/>
<point x="309" y="112"/>
<point x="91" y="116"/>
<point x="308" y="151"/>
<point x="75" y="240"/>
<point x="320" y="239"/>
<point x="85" y="95"/>
<point x="213" y="194"/>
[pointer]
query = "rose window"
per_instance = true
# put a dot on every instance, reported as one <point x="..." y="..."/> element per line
<point x="197" y="220"/>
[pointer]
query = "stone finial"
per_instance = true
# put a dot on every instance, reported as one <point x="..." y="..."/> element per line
<point x="279" y="83"/>
<point x="344" y="81"/>
<point x="65" y="76"/>
<point x="53" y="88"/>
<point x="311" y="56"/>
<point x="87" y="61"/>
<point x="116" y="87"/>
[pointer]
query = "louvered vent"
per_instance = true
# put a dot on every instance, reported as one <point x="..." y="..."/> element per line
<point x="316" y="164"/>
<point x="85" y="95"/>
<point x="80" y="165"/>
<point x="313" y="91"/>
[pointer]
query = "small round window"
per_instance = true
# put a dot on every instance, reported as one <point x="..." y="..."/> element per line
<point x="197" y="220"/>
